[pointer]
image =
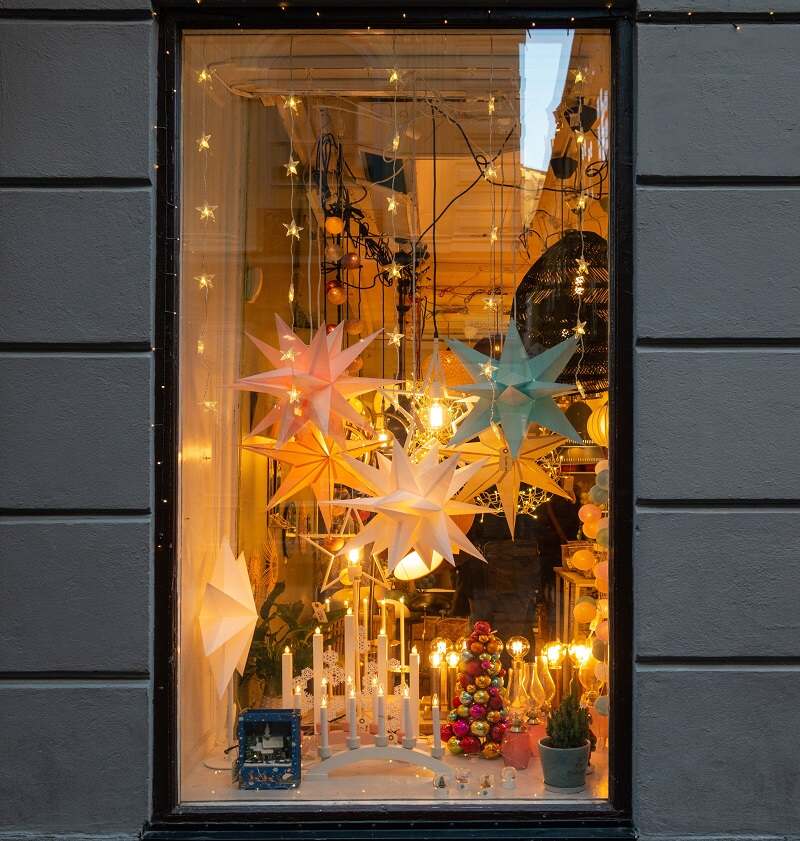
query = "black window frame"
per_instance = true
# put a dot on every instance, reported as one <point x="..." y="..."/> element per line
<point x="173" y="820"/>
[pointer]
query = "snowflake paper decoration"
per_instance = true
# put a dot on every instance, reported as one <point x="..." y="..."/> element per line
<point x="515" y="390"/>
<point x="330" y="657"/>
<point x="314" y="385"/>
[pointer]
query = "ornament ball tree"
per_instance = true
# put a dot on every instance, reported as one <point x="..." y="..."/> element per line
<point x="478" y="718"/>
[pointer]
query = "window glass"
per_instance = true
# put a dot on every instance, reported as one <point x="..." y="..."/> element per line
<point x="394" y="318"/>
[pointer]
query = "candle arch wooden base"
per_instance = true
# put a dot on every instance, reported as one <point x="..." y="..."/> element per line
<point x="320" y="770"/>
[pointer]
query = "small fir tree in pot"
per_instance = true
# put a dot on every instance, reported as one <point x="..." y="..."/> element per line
<point x="565" y="750"/>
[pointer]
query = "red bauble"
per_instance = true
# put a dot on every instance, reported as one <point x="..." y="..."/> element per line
<point x="477" y="711"/>
<point x="476" y="647"/>
<point x="351" y="260"/>
<point x="481" y="627"/>
<point x="495" y="703"/>
<point x="473" y="668"/>
<point x="455" y="703"/>
<point x="470" y="744"/>
<point x="496" y="733"/>
<point x="463" y="681"/>
<point x="446" y="731"/>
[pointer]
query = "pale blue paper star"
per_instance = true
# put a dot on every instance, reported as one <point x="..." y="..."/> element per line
<point x="517" y="391"/>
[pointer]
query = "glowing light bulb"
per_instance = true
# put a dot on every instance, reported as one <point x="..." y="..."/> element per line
<point x="578" y="77"/>
<point x="294" y="395"/>
<point x="580" y="328"/>
<point x="491" y="302"/>
<point x="583" y="266"/>
<point x="353" y="556"/>
<point x="487" y="369"/>
<point x="451" y="658"/>
<point x="582" y="202"/>
<point x="201" y="347"/>
<point x="436" y="416"/>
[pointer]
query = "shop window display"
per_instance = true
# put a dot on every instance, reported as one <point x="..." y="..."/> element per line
<point x="394" y="313"/>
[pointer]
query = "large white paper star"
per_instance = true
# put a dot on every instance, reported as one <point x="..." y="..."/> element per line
<point x="228" y="617"/>
<point x="506" y="471"/>
<point x="515" y="390"/>
<point x="414" y="506"/>
<point x="311" y="386"/>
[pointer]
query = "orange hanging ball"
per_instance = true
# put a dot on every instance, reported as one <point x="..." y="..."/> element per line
<point x="583" y="559"/>
<point x="590" y="528"/>
<point x="584" y="610"/>
<point x="602" y="631"/>
<point x="334" y="225"/>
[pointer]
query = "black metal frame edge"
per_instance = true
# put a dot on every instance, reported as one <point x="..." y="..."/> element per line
<point x="169" y="819"/>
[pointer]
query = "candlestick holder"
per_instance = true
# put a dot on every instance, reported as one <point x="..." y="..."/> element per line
<point x="353" y="742"/>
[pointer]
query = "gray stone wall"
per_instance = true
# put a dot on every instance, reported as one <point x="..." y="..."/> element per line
<point x="717" y="329"/>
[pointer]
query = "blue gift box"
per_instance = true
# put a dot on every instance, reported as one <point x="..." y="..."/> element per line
<point x="269" y="749"/>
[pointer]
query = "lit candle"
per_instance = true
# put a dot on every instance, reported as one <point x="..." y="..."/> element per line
<point x="324" y="749"/>
<point x="298" y="698"/>
<point x="402" y="639"/>
<point x="381" y="739"/>
<point x="316" y="665"/>
<point x="408" y="739"/>
<point x="286" y="678"/>
<point x="383" y="658"/>
<point x="350" y="643"/>
<point x="413" y="680"/>
<point x="437" y="751"/>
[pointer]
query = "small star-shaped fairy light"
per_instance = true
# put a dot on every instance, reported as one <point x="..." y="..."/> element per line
<point x="414" y="506"/>
<point x="314" y="386"/>
<point x="205" y="281"/>
<point x="493" y="234"/>
<point x="289" y="354"/>
<point x="206" y="212"/>
<point x="491" y="302"/>
<point x="393" y="270"/>
<point x="203" y="144"/>
<point x="203" y="76"/>
<point x="291" y="166"/>
<point x="489" y="171"/>
<point x="491" y="105"/>
<point x="487" y="369"/>
<point x="292" y="230"/>
<point x="395" y="142"/>
<point x="291" y="103"/>
<point x="583" y="266"/>
<point x="580" y="328"/>
<point x="394" y="338"/>
<point x="507" y="472"/>
<point x="519" y="393"/>
<point x="317" y="462"/>
<point x="394" y="76"/>
<point x="391" y="204"/>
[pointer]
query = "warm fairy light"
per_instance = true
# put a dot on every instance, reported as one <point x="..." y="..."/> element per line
<point x="294" y="395"/>
<point x="394" y="338"/>
<point x="287" y="650"/>
<point x="291" y="293"/>
<point x="491" y="302"/>
<point x="451" y="658"/>
<point x="391" y="204"/>
<point x="554" y="652"/>
<point x="580" y="653"/>
<point x="292" y="229"/>
<point x="327" y="604"/>
<point x="317" y="631"/>
<point x="290" y="354"/>
<point x="209" y="405"/>
<point x="374" y="681"/>
<point x="201" y="347"/>
<point x="291" y="102"/>
<point x="580" y="328"/>
<point x="487" y="369"/>
<point x="436" y="415"/>
<point x="203" y="76"/>
<point x="291" y="166"/>
<point x="394" y="76"/>
<point x="583" y="266"/>
<point x="582" y="202"/>
<point x="394" y="271"/>
<point x="395" y="142"/>
<point x="435" y="659"/>
<point x="491" y="105"/>
<point x="489" y="171"/>
<point x="435" y="701"/>
<point x="202" y="143"/>
<point x="380" y="690"/>
<point x="578" y="77"/>
<point x="205" y="281"/>
<point x="349" y="611"/>
<point x="493" y="234"/>
<point x="353" y="556"/>
<point x="206" y="212"/>
<point x="383" y="437"/>
<point x="441" y="646"/>
<point x="579" y="137"/>
<point x="578" y="286"/>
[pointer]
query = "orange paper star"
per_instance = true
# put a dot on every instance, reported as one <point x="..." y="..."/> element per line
<point x="508" y="473"/>
<point x="319" y="463"/>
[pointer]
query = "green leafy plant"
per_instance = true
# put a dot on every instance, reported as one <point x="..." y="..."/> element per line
<point x="568" y="726"/>
<point x="281" y="624"/>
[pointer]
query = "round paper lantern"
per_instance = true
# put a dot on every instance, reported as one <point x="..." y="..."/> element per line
<point x="413" y="566"/>
<point x="453" y="370"/>
<point x="354" y="327"/>
<point x="602" y="631"/>
<point x="334" y="225"/>
<point x="601" y="672"/>
<point x="601" y="465"/>
<point x="601" y="574"/>
<point x="601" y="705"/>
<point x="598" y="495"/>
<point x="597" y="425"/>
<point x="602" y="537"/>
<point x="602" y="479"/>
<point x="587" y="513"/>
<point x="583" y="559"/>
<point x="584" y="610"/>
<point x="333" y="253"/>
<point x="599" y="649"/>
<point x="602" y="608"/>
<point x="351" y="260"/>
<point x="591" y="528"/>
<point x="335" y="293"/>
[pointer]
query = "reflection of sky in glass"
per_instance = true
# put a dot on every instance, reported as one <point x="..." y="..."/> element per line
<point x="543" y="61"/>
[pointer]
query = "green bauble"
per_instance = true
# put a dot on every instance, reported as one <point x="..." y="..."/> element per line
<point x="479" y="728"/>
<point x="463" y="711"/>
<point x="452" y="715"/>
<point x="453" y="746"/>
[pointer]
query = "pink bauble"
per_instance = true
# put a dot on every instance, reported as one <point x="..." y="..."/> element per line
<point x="589" y="512"/>
<point x="473" y="668"/>
<point x="477" y="711"/>
<point x="446" y="731"/>
<point x="486" y="665"/>
<point x="494" y="691"/>
<point x="482" y="627"/>
<point x="601" y="571"/>
<point x="460" y="728"/>
<point x="470" y="744"/>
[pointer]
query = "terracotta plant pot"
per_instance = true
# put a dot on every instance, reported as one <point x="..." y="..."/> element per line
<point x="564" y="768"/>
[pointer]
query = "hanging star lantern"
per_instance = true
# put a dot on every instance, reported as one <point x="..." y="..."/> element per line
<point x="227" y="617"/>
<point x="508" y="472"/>
<point x="291" y="166"/>
<point x="520" y="392"/>
<point x="292" y="229"/>
<point x="414" y="506"/>
<point x="314" y="385"/>
<point x="317" y="462"/>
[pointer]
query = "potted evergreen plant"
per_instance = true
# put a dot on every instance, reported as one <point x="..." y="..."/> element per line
<point x="565" y="750"/>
